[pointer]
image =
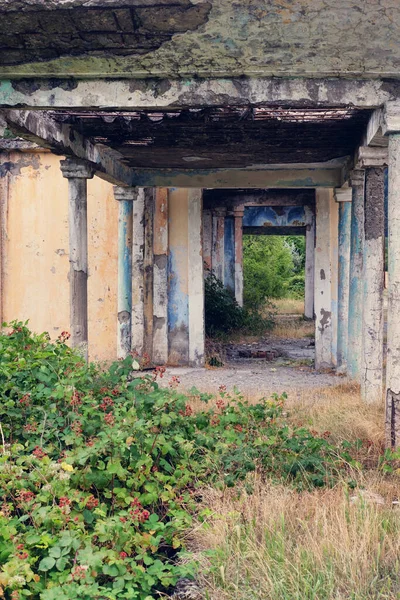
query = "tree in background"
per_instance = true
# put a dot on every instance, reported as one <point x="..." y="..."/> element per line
<point x="273" y="268"/>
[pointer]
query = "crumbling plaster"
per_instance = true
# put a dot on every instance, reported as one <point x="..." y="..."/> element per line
<point x="234" y="38"/>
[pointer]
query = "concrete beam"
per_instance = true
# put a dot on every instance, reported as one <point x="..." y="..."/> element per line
<point x="283" y="176"/>
<point x="374" y="135"/>
<point x="62" y="139"/>
<point x="125" y="94"/>
<point x="232" y="199"/>
<point x="275" y="230"/>
<point x="370" y="156"/>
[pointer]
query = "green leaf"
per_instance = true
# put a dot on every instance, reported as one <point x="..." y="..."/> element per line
<point x="47" y="563"/>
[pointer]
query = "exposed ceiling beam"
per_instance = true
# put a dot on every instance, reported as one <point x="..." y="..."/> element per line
<point x="125" y="94"/>
<point x="64" y="140"/>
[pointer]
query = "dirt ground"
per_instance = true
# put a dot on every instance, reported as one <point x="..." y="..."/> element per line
<point x="286" y="365"/>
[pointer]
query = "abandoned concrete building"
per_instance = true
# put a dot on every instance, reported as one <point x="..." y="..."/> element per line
<point x="142" y="138"/>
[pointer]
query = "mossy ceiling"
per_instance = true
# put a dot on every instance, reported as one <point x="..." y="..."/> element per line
<point x="214" y="38"/>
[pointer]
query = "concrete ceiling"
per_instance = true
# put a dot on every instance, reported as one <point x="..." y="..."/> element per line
<point x="229" y="137"/>
<point x="214" y="38"/>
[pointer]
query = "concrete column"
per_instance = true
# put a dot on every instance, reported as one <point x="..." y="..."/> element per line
<point x="309" y="271"/>
<point x="356" y="272"/>
<point x="160" y="277"/>
<point x="229" y="253"/>
<point x="207" y="239"/>
<point x="373" y="277"/>
<point x="148" y="271"/>
<point x="196" y="278"/>
<point x="393" y="320"/>
<point x="125" y="196"/>
<point x="344" y="201"/>
<point x="238" y="214"/>
<point x="137" y="274"/>
<point x="185" y="278"/>
<point x="78" y="172"/>
<point x="324" y="250"/>
<point x="218" y="243"/>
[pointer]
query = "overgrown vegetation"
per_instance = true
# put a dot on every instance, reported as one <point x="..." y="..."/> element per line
<point x="99" y="473"/>
<point x="273" y="268"/>
<point x="224" y="315"/>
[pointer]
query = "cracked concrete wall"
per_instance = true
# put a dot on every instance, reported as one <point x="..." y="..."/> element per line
<point x="220" y="38"/>
<point x="35" y="253"/>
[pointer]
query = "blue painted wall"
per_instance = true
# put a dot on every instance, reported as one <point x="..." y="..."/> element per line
<point x="269" y="216"/>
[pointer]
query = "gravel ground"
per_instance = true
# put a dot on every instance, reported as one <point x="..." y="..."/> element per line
<point x="291" y="372"/>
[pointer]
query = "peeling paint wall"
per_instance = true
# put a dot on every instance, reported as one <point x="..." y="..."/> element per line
<point x="35" y="257"/>
<point x="219" y="38"/>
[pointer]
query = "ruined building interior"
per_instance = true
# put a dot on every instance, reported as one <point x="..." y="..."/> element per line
<point x="210" y="119"/>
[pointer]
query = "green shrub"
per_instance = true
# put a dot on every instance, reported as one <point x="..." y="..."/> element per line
<point x="224" y="315"/>
<point x="267" y="266"/>
<point x="98" y="472"/>
<point x="295" y="286"/>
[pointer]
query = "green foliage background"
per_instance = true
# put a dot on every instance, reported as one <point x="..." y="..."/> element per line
<point x="273" y="268"/>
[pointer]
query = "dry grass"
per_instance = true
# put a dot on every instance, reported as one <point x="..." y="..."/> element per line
<point x="332" y="544"/>
<point x="293" y="328"/>
<point x="278" y="544"/>
<point x="288" y="306"/>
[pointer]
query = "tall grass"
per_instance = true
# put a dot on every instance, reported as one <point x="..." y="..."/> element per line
<point x="277" y="544"/>
<point x="331" y="544"/>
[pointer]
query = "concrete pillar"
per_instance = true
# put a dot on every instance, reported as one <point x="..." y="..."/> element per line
<point x="137" y="274"/>
<point x="324" y="253"/>
<point x="218" y="243"/>
<point x="160" y="277"/>
<point x="356" y="272"/>
<point x="185" y="278"/>
<point x="238" y="214"/>
<point x="125" y="196"/>
<point x="229" y="254"/>
<point x="148" y="271"/>
<point x="207" y="240"/>
<point x="344" y="202"/>
<point x="309" y="271"/>
<point x="78" y="172"/>
<point x="334" y="242"/>
<point x="393" y="320"/>
<point x="373" y="277"/>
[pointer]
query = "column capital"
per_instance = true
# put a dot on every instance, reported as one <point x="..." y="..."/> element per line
<point x="76" y="168"/>
<point x="391" y="118"/>
<point x="372" y="156"/>
<point x="343" y="194"/>
<point x="124" y="193"/>
<point x="357" y="178"/>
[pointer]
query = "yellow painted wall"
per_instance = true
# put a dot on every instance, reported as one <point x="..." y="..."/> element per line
<point x="35" y="265"/>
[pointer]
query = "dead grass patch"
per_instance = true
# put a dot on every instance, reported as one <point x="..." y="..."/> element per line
<point x="280" y="544"/>
<point x="289" y="306"/>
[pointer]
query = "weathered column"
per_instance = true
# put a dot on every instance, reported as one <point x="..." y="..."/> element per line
<point x="160" y="277"/>
<point x="229" y="253"/>
<point x="343" y="197"/>
<point x="218" y="242"/>
<point x="78" y="172"/>
<point x="138" y="274"/>
<point x="373" y="276"/>
<point x="207" y="240"/>
<point x="196" y="279"/>
<point x="392" y="129"/>
<point x="185" y="278"/>
<point x="148" y="271"/>
<point x="125" y="197"/>
<point x="323" y="277"/>
<point x="309" y="271"/>
<point x="356" y="272"/>
<point x="238" y="214"/>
